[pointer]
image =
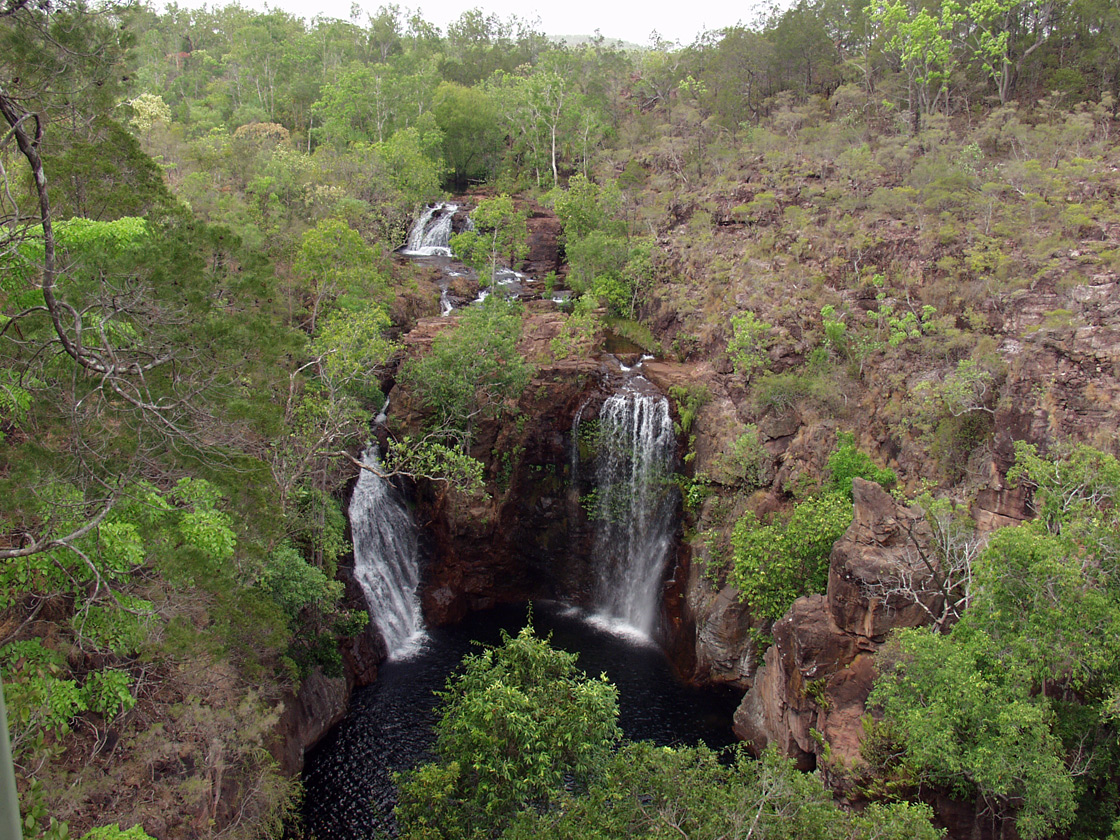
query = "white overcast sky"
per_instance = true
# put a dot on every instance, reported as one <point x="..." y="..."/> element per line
<point x="674" y="20"/>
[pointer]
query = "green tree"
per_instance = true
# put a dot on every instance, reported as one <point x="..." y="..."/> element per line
<point x="1013" y="705"/>
<point x="778" y="562"/>
<point x="500" y="234"/>
<point x="922" y="42"/>
<point x="584" y="207"/>
<point x="334" y="261"/>
<point x="471" y="133"/>
<point x="472" y="370"/>
<point x="848" y="462"/>
<point x="517" y="725"/>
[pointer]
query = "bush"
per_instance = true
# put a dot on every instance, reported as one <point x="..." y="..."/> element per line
<point x="775" y="564"/>
<point x="847" y="463"/>
<point x="519" y="724"/>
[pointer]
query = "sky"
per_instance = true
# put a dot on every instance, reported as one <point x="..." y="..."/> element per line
<point x="673" y="20"/>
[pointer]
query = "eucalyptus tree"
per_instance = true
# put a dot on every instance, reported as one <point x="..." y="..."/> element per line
<point x="1016" y="705"/>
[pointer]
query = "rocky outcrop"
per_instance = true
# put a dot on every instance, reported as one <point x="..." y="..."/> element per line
<point x="322" y="701"/>
<point x="811" y="689"/>
<point x="726" y="651"/>
<point x="531" y="538"/>
<point x="543" y="255"/>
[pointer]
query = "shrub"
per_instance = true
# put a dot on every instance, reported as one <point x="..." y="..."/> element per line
<point x="775" y="563"/>
<point x="847" y="463"/>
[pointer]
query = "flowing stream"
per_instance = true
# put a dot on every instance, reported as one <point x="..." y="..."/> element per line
<point x="431" y="233"/>
<point x="387" y="559"/>
<point x="635" y="505"/>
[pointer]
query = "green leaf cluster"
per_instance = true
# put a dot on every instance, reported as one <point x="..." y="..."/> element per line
<point x="518" y="725"/>
<point x="776" y="563"/>
<point x="848" y="462"/>
<point x="473" y="369"/>
<point x="529" y="748"/>
<point x="1013" y="705"/>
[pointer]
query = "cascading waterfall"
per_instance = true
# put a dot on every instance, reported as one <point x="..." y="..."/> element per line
<point x="387" y="559"/>
<point x="635" y="506"/>
<point x="431" y="233"/>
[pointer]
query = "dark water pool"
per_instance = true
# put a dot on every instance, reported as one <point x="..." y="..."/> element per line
<point x="348" y="777"/>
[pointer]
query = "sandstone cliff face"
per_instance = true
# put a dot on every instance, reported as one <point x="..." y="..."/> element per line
<point x="322" y="701"/>
<point x="812" y="688"/>
<point x="531" y="538"/>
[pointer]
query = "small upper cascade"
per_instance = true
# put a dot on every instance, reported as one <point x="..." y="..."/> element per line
<point x="431" y="233"/>
<point x="387" y="559"/>
<point x="635" y="505"/>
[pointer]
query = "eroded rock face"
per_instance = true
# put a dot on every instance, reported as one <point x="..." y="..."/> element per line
<point x="873" y="563"/>
<point x="819" y="671"/>
<point x="725" y="649"/>
<point x="531" y="539"/>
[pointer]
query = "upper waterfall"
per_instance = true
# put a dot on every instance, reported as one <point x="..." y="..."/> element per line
<point x="635" y="505"/>
<point x="431" y="233"/>
<point x="387" y="559"/>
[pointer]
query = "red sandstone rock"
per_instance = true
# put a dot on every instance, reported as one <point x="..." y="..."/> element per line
<point x="819" y="671"/>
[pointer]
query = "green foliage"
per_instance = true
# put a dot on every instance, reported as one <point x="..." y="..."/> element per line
<point x="655" y="792"/>
<point x="995" y="708"/>
<point x="296" y="585"/>
<point x="515" y="724"/>
<point x="848" y="462"/>
<point x="577" y="336"/>
<point x="976" y="728"/>
<point x="776" y="563"/>
<point x="585" y="207"/>
<point x="472" y="139"/>
<point x="333" y="261"/>
<point x="434" y="460"/>
<point x="472" y="370"/>
<point x="750" y="340"/>
<point x="500" y="235"/>
<point x="115" y="832"/>
<point x="108" y="693"/>
<point x="747" y="463"/>
<point x="689" y="400"/>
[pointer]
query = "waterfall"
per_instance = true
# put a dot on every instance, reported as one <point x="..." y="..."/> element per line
<point x="431" y="233"/>
<point x="387" y="559"/>
<point x="635" y="505"/>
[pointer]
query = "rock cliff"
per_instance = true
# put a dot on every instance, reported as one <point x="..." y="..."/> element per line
<point x="810" y="691"/>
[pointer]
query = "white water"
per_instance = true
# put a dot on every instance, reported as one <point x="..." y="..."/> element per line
<point x="431" y="233"/>
<point x="635" y="507"/>
<point x="387" y="560"/>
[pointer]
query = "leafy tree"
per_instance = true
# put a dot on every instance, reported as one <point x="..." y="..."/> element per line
<point x="1011" y="705"/>
<point x="333" y="261"/>
<point x="922" y="41"/>
<point x="778" y="562"/>
<point x="500" y="234"/>
<point x="518" y="725"/>
<point x="584" y="207"/>
<point x="471" y="136"/>
<point x="472" y="369"/>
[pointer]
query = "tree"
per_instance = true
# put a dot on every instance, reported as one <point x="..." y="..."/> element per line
<point x="334" y="261"/>
<point x="1000" y="40"/>
<point x="1013" y="705"/>
<point x="471" y="134"/>
<point x="472" y="370"/>
<point x="922" y="42"/>
<point x="500" y="234"/>
<point x="517" y="726"/>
